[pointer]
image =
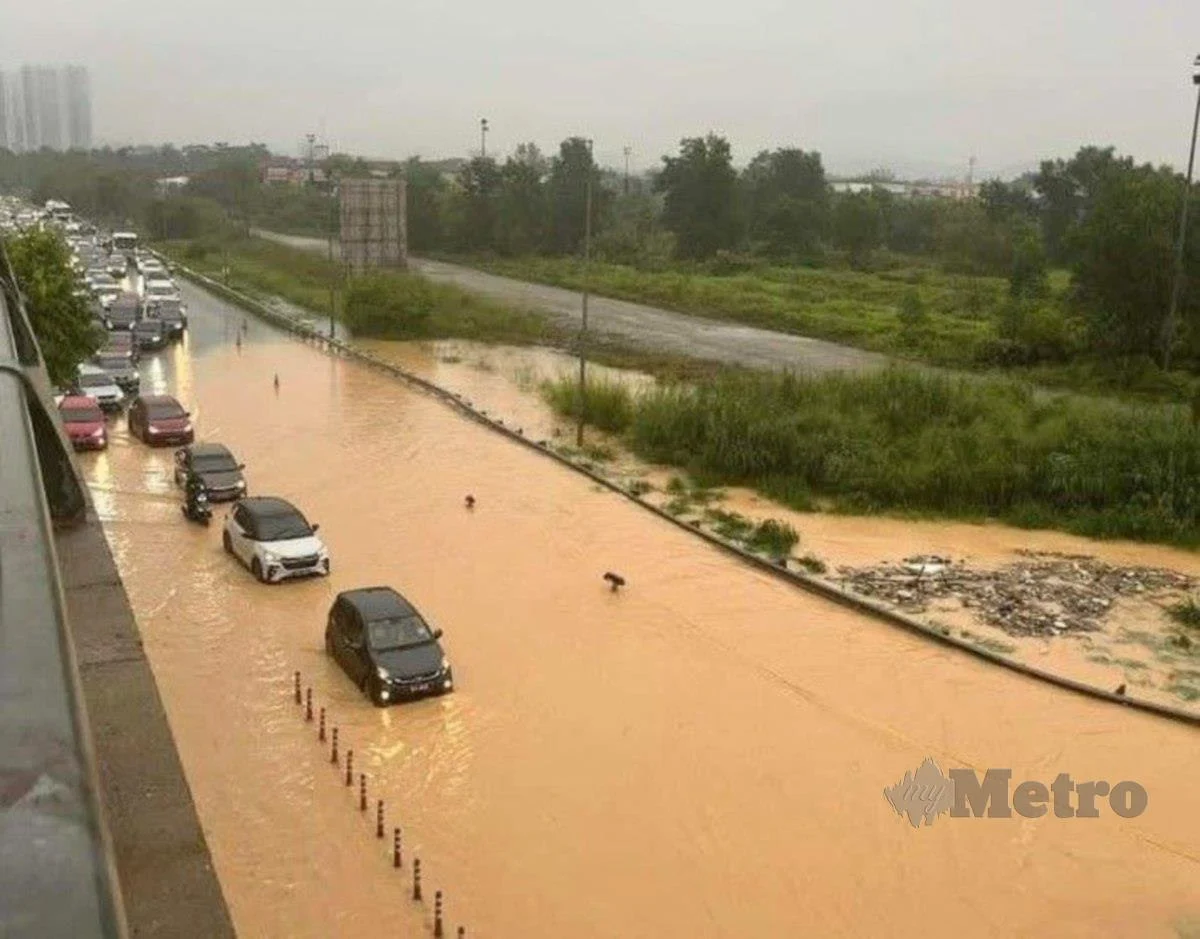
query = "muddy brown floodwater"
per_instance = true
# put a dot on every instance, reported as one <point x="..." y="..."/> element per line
<point x="702" y="754"/>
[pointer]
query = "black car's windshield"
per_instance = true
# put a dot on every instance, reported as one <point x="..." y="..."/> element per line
<point x="167" y="309"/>
<point x="397" y="632"/>
<point x="82" y="415"/>
<point x="283" y="526"/>
<point x="213" y="463"/>
<point x="165" y="411"/>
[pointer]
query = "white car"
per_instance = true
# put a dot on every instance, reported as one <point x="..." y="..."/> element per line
<point x="274" y="540"/>
<point x="99" y="384"/>
<point x="117" y="265"/>
<point x="161" y="290"/>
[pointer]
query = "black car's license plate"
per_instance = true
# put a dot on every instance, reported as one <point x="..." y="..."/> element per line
<point x="424" y="686"/>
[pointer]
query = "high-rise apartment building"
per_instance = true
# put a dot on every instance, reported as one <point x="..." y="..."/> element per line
<point x="5" y="137"/>
<point x="43" y="106"/>
<point x="79" y="107"/>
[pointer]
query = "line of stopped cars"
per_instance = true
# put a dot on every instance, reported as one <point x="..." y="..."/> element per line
<point x="377" y="637"/>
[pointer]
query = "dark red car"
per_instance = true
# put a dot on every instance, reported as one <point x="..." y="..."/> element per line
<point x="84" y="422"/>
<point x="160" y="419"/>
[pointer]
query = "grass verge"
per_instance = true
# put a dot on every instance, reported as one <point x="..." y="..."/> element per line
<point x="910" y="442"/>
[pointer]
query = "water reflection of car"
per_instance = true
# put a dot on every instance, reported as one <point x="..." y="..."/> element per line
<point x="84" y="422"/>
<point x="214" y="466"/>
<point x="160" y="419"/>
<point x="151" y="335"/>
<point x="274" y="540"/>
<point x="386" y="647"/>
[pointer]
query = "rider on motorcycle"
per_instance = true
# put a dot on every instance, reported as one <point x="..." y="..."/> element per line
<point x="197" y="495"/>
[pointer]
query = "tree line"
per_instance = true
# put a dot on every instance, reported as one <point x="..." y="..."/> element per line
<point x="1101" y="217"/>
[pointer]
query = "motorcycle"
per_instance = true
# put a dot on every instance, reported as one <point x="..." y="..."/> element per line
<point x="196" y="508"/>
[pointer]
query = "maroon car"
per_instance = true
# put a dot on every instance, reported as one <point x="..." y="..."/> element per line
<point x="84" y="422"/>
<point x="160" y="419"/>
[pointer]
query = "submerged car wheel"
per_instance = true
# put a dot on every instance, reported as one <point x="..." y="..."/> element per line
<point x="226" y="542"/>
<point x="256" y="569"/>
<point x="374" y="691"/>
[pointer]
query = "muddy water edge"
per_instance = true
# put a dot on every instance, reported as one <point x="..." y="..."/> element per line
<point x="701" y="754"/>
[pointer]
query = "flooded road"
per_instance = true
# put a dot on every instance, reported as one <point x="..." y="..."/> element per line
<point x="702" y="754"/>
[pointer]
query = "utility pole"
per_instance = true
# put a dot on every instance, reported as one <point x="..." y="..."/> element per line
<point x="1168" y="332"/>
<point x="627" y="152"/>
<point x="311" y="138"/>
<point x="483" y="129"/>
<point x="587" y="270"/>
<point x="333" y="202"/>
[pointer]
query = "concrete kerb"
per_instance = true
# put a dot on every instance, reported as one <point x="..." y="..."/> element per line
<point x="800" y="579"/>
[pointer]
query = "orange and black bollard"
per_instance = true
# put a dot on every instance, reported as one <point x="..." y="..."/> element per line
<point x="438" y="932"/>
<point x="395" y="847"/>
<point x="297" y="676"/>
<point x="321" y="729"/>
<point x="333" y="754"/>
<point x="416" y="878"/>
<point x="379" y="819"/>
<point x="362" y="792"/>
<point x="349" y="767"/>
<point x="308" y="704"/>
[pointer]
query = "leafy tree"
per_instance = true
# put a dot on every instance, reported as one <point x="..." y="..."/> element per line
<point x="1067" y="189"/>
<point x="787" y="202"/>
<point x="913" y="314"/>
<point x="969" y="243"/>
<point x="700" y="186"/>
<point x="1125" y="259"/>
<point x="1028" y="279"/>
<point x="857" y="226"/>
<point x="426" y="194"/>
<point x="567" y="193"/>
<point x="1005" y="201"/>
<point x="473" y="208"/>
<point x="60" y="320"/>
<point x="523" y="206"/>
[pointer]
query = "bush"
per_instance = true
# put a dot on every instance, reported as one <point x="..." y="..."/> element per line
<point x="607" y="404"/>
<point x="389" y="306"/>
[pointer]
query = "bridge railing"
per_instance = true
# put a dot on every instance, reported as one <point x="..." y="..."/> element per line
<point x="57" y="876"/>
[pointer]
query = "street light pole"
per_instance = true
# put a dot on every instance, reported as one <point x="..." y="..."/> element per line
<point x="332" y="270"/>
<point x="587" y="265"/>
<point x="627" y="151"/>
<point x="1181" y="241"/>
<point x="483" y="129"/>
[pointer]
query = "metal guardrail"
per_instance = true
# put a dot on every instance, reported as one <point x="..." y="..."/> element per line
<point x="57" y="876"/>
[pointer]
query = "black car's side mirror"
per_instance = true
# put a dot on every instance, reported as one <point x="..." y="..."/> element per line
<point x="314" y="527"/>
<point x="437" y="634"/>
<point x="241" y="466"/>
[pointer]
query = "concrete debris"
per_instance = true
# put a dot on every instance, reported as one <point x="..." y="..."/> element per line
<point x="1043" y="594"/>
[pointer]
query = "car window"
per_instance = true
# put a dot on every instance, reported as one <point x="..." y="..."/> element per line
<point x="398" y="631"/>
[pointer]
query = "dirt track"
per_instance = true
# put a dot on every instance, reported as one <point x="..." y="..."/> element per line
<point x="648" y="327"/>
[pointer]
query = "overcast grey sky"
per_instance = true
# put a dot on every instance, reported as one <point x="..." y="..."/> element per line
<point x="919" y="82"/>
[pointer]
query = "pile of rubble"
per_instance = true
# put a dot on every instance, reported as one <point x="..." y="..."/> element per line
<point x="1043" y="594"/>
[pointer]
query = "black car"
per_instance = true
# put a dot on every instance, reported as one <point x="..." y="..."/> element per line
<point x="171" y="313"/>
<point x="380" y="640"/>
<point x="220" y="473"/>
<point x="121" y="367"/>
<point x="123" y="312"/>
<point x="150" y="335"/>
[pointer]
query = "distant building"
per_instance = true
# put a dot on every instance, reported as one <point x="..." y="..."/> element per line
<point x="910" y="190"/>
<point x="79" y="108"/>
<point x="5" y="139"/>
<point x="168" y="183"/>
<point x="42" y="106"/>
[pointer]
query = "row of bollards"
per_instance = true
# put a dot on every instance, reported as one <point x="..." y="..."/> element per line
<point x="306" y="698"/>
